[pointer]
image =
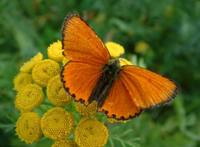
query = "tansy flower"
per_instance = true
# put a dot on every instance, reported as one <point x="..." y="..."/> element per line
<point x="44" y="70"/>
<point x="91" y="133"/>
<point x="89" y="110"/>
<point x="27" y="67"/>
<point x="115" y="49"/>
<point x="56" y="92"/>
<point x="64" y="143"/>
<point x="56" y="123"/>
<point x="28" y="127"/>
<point x="21" y="80"/>
<point x="65" y="60"/>
<point x="141" y="47"/>
<point x="29" y="97"/>
<point x="55" y="51"/>
<point x="113" y="121"/>
<point x="123" y="62"/>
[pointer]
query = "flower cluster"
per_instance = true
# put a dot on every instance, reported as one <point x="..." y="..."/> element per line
<point x="46" y="109"/>
<point x="44" y="104"/>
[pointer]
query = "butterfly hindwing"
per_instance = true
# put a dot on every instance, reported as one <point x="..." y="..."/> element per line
<point x="118" y="103"/>
<point x="80" y="42"/>
<point x="136" y="89"/>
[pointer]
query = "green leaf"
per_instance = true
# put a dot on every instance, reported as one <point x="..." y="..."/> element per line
<point x="7" y="127"/>
<point x="123" y="135"/>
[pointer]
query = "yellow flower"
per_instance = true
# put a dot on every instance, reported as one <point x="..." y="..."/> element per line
<point x="27" y="67"/>
<point x="56" y="92"/>
<point x="56" y="123"/>
<point x="64" y="143"/>
<point x="91" y="133"/>
<point x="141" y="47"/>
<point x="55" y="51"/>
<point x="21" y="80"/>
<point x="89" y="110"/>
<point x="28" y="127"/>
<point x="113" y="121"/>
<point x="44" y="70"/>
<point x="123" y="62"/>
<point x="29" y="97"/>
<point x="65" y="60"/>
<point x="115" y="49"/>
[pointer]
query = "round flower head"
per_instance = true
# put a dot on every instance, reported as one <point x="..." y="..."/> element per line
<point x="88" y="110"/>
<point x="56" y="92"/>
<point x="141" y="47"/>
<point x="27" y="67"/>
<point x="56" y="123"/>
<point x="28" y="127"/>
<point x="55" y="51"/>
<point x="21" y="80"/>
<point x="91" y="133"/>
<point x="44" y="70"/>
<point x="64" y="143"/>
<point x="29" y="97"/>
<point x="123" y="62"/>
<point x="115" y="49"/>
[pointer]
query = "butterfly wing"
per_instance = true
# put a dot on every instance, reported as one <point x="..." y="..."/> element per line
<point x="80" y="78"/>
<point x="119" y="104"/>
<point x="87" y="55"/>
<point x="147" y="88"/>
<point x="80" y="42"/>
<point x="136" y="89"/>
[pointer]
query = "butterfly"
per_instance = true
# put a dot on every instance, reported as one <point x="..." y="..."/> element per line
<point x="121" y="92"/>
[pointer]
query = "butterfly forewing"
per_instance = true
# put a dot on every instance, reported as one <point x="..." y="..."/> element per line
<point x="80" y="42"/>
<point x="87" y="56"/>
<point x="147" y="88"/>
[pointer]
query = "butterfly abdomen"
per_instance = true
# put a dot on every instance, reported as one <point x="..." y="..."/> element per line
<point x="104" y="84"/>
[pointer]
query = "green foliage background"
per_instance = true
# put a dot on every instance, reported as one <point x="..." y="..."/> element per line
<point x="170" y="27"/>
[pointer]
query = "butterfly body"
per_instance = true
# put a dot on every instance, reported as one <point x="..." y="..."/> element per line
<point x="109" y="73"/>
<point x="91" y="74"/>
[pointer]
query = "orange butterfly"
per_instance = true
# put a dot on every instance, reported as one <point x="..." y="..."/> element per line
<point x="91" y="75"/>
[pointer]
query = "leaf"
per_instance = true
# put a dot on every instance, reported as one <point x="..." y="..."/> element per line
<point x="22" y="29"/>
<point x="123" y="135"/>
<point x="183" y="119"/>
<point x="7" y="127"/>
<point x="124" y="27"/>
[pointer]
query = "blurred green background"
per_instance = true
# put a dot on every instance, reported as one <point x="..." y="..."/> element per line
<point x="169" y="27"/>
